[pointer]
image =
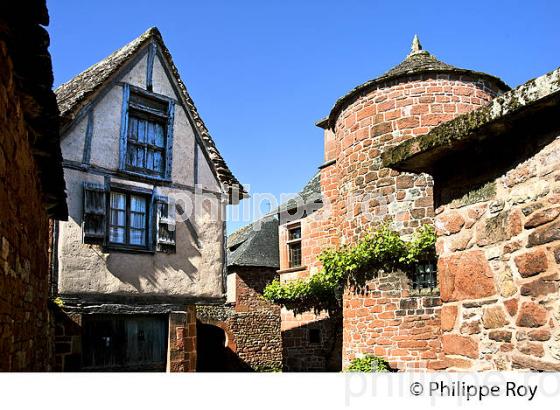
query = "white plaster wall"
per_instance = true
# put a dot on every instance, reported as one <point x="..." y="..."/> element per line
<point x="183" y="149"/>
<point x="72" y="144"/>
<point x="137" y="74"/>
<point x="107" y="129"/>
<point x="160" y="82"/>
<point x="206" y="177"/>
<point x="195" y="270"/>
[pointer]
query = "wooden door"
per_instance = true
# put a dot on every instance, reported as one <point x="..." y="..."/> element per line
<point x="124" y="342"/>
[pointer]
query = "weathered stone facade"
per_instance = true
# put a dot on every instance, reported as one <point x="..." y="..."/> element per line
<point x="28" y="129"/>
<point x="499" y="269"/>
<point x="497" y="226"/>
<point x="251" y="324"/>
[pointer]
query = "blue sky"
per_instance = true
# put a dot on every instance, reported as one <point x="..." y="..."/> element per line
<point x="262" y="72"/>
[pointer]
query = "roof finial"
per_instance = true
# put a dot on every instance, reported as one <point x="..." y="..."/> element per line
<point x="416" y="46"/>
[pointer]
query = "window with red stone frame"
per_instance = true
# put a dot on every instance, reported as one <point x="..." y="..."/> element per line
<point x="294" y="246"/>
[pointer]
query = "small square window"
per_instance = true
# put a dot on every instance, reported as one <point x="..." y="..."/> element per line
<point x="424" y="276"/>
<point x="314" y="336"/>
<point x="145" y="145"/>
<point x="146" y="133"/>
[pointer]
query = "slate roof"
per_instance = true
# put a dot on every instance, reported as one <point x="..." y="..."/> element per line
<point x="251" y="246"/>
<point x="418" y="61"/>
<point x="310" y="194"/>
<point x="255" y="244"/>
<point x="74" y="95"/>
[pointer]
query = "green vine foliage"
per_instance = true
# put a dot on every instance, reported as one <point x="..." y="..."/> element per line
<point x="369" y="364"/>
<point x="381" y="249"/>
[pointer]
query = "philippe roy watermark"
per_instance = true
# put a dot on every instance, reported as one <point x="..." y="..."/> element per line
<point x="286" y="206"/>
<point x="454" y="388"/>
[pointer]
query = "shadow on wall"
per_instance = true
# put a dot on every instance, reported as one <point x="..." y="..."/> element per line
<point x="132" y="270"/>
<point x="458" y="174"/>
<point x="214" y="353"/>
<point x="313" y="347"/>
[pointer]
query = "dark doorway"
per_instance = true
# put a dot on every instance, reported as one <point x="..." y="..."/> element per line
<point x="210" y="348"/>
<point x="124" y="342"/>
<point x="212" y="353"/>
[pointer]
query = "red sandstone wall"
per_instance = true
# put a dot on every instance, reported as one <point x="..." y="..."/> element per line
<point x="385" y="117"/>
<point x="383" y="318"/>
<point x="249" y="285"/>
<point x="182" y="341"/>
<point x="25" y="335"/>
<point x="318" y="233"/>
<point x="256" y="322"/>
<point x="361" y="194"/>
<point x="251" y="326"/>
<point x="499" y="271"/>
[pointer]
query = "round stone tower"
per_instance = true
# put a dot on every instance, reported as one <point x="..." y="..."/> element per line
<point x="408" y="100"/>
<point x="387" y="318"/>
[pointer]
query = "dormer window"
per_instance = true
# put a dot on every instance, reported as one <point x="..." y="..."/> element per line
<point x="146" y="133"/>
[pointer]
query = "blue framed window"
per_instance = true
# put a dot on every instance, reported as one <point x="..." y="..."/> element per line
<point x="146" y="141"/>
<point x="129" y="218"/>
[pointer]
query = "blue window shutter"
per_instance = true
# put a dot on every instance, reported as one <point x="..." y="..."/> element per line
<point x="124" y="127"/>
<point x="94" y="211"/>
<point x="169" y="148"/>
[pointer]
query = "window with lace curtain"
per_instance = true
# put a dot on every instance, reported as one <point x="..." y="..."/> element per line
<point x="128" y="219"/>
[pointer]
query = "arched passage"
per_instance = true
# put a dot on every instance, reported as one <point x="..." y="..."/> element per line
<point x="216" y="349"/>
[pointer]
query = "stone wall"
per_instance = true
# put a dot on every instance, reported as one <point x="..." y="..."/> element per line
<point x="67" y="341"/>
<point x="384" y="117"/>
<point x="385" y="319"/>
<point x="251" y="324"/>
<point x="499" y="265"/>
<point x="311" y="342"/>
<point x="25" y="339"/>
<point x="318" y="233"/>
<point x="182" y="341"/>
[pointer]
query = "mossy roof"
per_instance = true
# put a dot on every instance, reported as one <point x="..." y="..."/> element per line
<point x="419" y="154"/>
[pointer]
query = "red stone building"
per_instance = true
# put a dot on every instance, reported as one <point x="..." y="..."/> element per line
<point x="31" y="186"/>
<point x="387" y="317"/>
<point x="311" y="341"/>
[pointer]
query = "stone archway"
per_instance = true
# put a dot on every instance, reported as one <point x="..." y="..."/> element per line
<point x="216" y="348"/>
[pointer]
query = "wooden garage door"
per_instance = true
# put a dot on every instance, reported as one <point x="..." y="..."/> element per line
<point x="124" y="342"/>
